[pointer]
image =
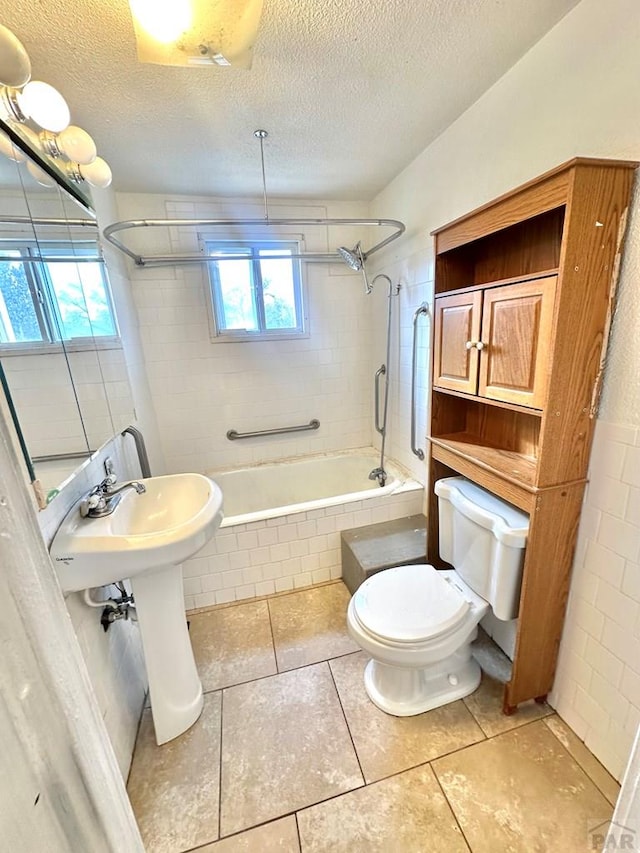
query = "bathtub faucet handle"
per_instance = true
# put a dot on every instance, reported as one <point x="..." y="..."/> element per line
<point x="380" y="475"/>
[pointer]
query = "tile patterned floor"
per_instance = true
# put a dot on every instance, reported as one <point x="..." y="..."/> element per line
<point x="290" y="755"/>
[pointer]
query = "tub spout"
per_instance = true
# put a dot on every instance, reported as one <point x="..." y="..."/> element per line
<point x="380" y="475"/>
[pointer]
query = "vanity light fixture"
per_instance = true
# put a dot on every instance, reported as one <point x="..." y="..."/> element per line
<point x="23" y="100"/>
<point x="15" y="66"/>
<point x="37" y="101"/>
<point x="73" y="142"/>
<point x="196" y="32"/>
<point x="97" y="173"/>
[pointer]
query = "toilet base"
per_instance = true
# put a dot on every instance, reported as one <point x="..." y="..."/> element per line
<point x="406" y="691"/>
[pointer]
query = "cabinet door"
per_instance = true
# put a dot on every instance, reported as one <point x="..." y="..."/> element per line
<point x="457" y="323"/>
<point x="516" y="332"/>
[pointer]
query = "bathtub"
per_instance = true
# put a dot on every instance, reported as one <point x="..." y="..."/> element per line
<point x="283" y="519"/>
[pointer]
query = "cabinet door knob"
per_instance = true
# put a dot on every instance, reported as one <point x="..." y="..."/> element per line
<point x="480" y="345"/>
<point x="470" y="344"/>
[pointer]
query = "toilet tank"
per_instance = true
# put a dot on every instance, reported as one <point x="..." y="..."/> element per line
<point x="484" y="539"/>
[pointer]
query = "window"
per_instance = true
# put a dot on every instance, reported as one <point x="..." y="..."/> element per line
<point x="256" y="289"/>
<point x="51" y="293"/>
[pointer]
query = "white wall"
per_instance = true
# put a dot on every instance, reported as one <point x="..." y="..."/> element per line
<point x="201" y="389"/>
<point x="575" y="93"/>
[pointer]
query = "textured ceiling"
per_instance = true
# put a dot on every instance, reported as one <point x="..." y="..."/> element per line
<point x="349" y="90"/>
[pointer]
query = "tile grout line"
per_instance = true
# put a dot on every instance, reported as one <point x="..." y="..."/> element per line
<point x="346" y="722"/>
<point x="455" y="817"/>
<point x="271" y="674"/>
<point x="573" y="758"/>
<point x="220" y="767"/>
<point x="273" y="642"/>
<point x="295" y="816"/>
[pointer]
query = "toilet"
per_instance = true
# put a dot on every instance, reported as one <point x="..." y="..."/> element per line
<point x="417" y="623"/>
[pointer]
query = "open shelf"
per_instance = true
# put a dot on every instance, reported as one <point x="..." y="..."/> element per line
<point x="524" y="250"/>
<point x="506" y="463"/>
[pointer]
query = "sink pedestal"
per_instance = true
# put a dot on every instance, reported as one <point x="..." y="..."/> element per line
<point x="174" y="687"/>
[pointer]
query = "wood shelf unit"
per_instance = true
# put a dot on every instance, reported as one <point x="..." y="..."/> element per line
<point x="515" y="414"/>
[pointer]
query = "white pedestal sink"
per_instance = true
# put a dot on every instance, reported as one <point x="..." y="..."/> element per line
<point x="146" y="539"/>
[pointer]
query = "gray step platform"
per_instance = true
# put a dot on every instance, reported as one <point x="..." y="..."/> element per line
<point x="367" y="550"/>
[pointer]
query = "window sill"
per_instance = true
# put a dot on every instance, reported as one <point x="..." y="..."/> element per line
<point x="258" y="337"/>
<point x="75" y="345"/>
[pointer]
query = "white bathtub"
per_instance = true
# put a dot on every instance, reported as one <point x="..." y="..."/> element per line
<point x="283" y="520"/>
<point x="299" y="485"/>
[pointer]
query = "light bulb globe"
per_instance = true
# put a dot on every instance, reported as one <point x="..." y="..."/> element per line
<point x="98" y="173"/>
<point x="45" y="105"/>
<point x="15" y="67"/>
<point x="76" y="145"/>
<point x="39" y="175"/>
<point x="10" y="150"/>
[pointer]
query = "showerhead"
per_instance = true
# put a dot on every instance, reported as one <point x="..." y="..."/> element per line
<point x="355" y="259"/>
<point x="352" y="257"/>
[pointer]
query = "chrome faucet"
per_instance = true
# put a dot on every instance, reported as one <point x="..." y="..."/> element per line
<point x="380" y="475"/>
<point x="105" y="497"/>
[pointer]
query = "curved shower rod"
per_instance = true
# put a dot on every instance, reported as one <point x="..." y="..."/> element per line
<point x="168" y="260"/>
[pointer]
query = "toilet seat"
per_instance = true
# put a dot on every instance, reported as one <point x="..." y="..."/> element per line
<point x="408" y="604"/>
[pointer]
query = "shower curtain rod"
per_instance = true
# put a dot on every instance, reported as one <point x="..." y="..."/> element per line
<point x="168" y="260"/>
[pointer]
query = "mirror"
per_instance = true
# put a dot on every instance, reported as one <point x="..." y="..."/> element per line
<point x="63" y="364"/>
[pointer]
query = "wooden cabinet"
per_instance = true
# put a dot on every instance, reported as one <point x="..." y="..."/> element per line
<point x="494" y="342"/>
<point x="523" y="288"/>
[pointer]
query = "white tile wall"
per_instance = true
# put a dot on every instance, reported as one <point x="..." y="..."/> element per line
<point x="114" y="659"/>
<point x="262" y="557"/>
<point x="597" y="689"/>
<point x="202" y="389"/>
<point x="47" y="400"/>
<point x="414" y="274"/>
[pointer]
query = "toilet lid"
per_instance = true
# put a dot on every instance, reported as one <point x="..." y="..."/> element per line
<point x="408" y="603"/>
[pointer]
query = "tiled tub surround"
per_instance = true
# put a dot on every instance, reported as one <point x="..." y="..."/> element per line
<point x="291" y="755"/>
<point x="201" y="388"/>
<point x="285" y="546"/>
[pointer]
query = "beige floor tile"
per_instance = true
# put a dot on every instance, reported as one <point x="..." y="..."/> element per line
<point x="387" y="744"/>
<point x="281" y="836"/>
<point x="486" y="706"/>
<point x="174" y="788"/>
<point x="522" y="792"/>
<point x="589" y="763"/>
<point x="285" y="746"/>
<point x="311" y="626"/>
<point x="403" y="814"/>
<point x="232" y="645"/>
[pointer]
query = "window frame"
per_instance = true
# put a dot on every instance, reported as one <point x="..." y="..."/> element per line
<point x="249" y="249"/>
<point x="35" y="256"/>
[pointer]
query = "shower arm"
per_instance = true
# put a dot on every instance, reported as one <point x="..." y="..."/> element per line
<point x="315" y="257"/>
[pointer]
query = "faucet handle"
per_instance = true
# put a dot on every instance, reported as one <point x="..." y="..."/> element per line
<point x="92" y="500"/>
<point x="109" y="481"/>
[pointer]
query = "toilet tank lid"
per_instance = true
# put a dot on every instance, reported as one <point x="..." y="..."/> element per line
<point x="509" y="525"/>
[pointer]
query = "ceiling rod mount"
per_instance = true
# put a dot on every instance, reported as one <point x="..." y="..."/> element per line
<point x="261" y="135"/>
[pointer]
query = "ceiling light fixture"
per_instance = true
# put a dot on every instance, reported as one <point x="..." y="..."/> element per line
<point x="23" y="100"/>
<point x="196" y="32"/>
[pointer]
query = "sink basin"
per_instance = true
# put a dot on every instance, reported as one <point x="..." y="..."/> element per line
<point x="145" y="539"/>
<point x="174" y="518"/>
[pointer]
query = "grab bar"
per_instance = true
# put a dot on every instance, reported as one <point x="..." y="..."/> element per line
<point x="379" y="372"/>
<point x="423" y="309"/>
<point x="233" y="434"/>
<point x="141" y="449"/>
